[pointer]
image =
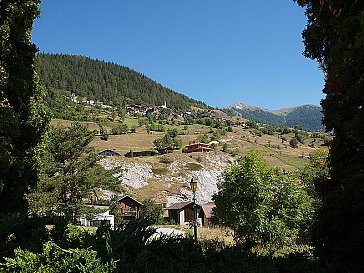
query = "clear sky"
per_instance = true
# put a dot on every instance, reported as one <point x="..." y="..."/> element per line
<point x="221" y="52"/>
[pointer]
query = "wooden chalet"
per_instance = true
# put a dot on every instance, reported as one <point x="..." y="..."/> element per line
<point x="182" y="213"/>
<point x="133" y="109"/>
<point x="206" y="213"/>
<point x="197" y="147"/>
<point x="129" y="208"/>
<point x="152" y="110"/>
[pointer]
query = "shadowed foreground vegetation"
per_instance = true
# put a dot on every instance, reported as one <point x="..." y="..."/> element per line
<point x="129" y="248"/>
<point x="332" y="38"/>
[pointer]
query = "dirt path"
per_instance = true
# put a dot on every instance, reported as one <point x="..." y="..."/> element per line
<point x="161" y="231"/>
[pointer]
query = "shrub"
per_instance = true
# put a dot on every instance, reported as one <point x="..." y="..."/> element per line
<point x="204" y="138"/>
<point x="271" y="207"/>
<point x="120" y="129"/>
<point x="54" y="259"/>
<point x="224" y="147"/>
<point x="165" y="160"/>
<point x="152" y="212"/>
<point x="293" y="142"/>
<point x="21" y="231"/>
<point x="104" y="136"/>
<point x="301" y="136"/>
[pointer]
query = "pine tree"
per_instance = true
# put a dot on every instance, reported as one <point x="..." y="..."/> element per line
<point x="23" y="118"/>
<point x="334" y="37"/>
<point x="69" y="173"/>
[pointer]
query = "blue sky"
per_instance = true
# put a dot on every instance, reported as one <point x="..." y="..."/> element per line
<point x="221" y="52"/>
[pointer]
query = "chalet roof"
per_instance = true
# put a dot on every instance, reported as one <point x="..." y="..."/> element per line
<point x="198" y="144"/>
<point x="207" y="209"/>
<point x="109" y="152"/>
<point x="180" y="205"/>
<point x="197" y="147"/>
<point x="130" y="200"/>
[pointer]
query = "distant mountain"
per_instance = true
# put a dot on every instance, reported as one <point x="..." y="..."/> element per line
<point x="309" y="117"/>
<point x="105" y="81"/>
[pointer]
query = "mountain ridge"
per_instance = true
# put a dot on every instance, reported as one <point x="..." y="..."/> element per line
<point x="105" y="81"/>
<point x="308" y="116"/>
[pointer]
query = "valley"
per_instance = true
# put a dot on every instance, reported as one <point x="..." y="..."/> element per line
<point x="165" y="178"/>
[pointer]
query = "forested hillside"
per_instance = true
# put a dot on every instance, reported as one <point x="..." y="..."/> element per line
<point x="105" y="81"/>
<point x="309" y="117"/>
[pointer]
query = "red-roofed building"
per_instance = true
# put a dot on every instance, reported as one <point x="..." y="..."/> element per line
<point x="197" y="147"/>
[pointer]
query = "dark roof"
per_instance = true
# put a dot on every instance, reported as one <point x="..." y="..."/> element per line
<point x="180" y="205"/>
<point x="198" y="144"/>
<point x="207" y="209"/>
<point x="109" y="153"/>
<point x="130" y="200"/>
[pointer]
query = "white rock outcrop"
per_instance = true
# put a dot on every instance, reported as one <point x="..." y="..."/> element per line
<point x="135" y="175"/>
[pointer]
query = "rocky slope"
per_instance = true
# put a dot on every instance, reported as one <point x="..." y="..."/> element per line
<point x="169" y="182"/>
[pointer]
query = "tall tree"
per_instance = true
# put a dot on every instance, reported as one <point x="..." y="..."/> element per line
<point x="69" y="173"/>
<point x="334" y="37"/>
<point x="170" y="140"/>
<point x="23" y="118"/>
<point x="261" y="204"/>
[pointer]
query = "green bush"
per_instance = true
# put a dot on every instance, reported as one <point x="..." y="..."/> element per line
<point x="293" y="143"/>
<point x="225" y="147"/>
<point x="104" y="136"/>
<point x="130" y="248"/>
<point x="152" y="212"/>
<point x="301" y="136"/>
<point x="156" y="127"/>
<point x="165" y="160"/>
<point x="54" y="259"/>
<point x="271" y="207"/>
<point x="21" y="231"/>
<point x="204" y="138"/>
<point x="120" y="129"/>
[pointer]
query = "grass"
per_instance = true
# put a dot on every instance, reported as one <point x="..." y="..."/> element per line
<point x="131" y="122"/>
<point x="191" y="166"/>
<point x="221" y="234"/>
<point x="165" y="160"/>
<point x="160" y="171"/>
<point x="296" y="162"/>
<point x="156" y="190"/>
<point x="129" y="142"/>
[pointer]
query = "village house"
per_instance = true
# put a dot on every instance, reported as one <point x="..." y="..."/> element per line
<point x="109" y="153"/>
<point x="182" y="213"/>
<point x="102" y="218"/>
<point x="152" y="110"/>
<point x="206" y="213"/>
<point x="129" y="208"/>
<point x="197" y="147"/>
<point x="133" y="109"/>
